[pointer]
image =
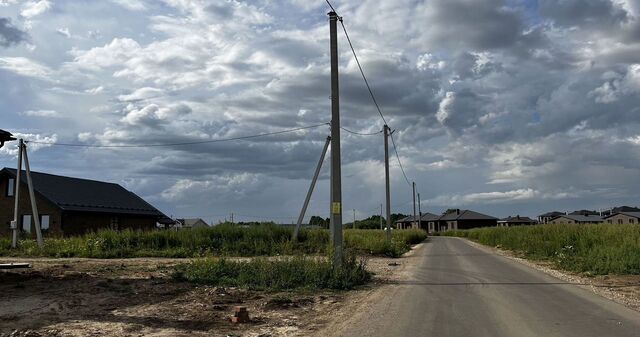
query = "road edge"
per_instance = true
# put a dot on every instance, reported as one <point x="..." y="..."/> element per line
<point x="586" y="283"/>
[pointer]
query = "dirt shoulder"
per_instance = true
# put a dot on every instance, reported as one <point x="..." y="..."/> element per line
<point x="623" y="289"/>
<point x="387" y="271"/>
<point x="138" y="297"/>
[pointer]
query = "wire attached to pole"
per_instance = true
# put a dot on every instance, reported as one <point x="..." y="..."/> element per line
<point x="180" y="144"/>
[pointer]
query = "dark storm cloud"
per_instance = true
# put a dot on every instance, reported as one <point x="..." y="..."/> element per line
<point x="583" y="13"/>
<point x="471" y="24"/>
<point x="9" y="34"/>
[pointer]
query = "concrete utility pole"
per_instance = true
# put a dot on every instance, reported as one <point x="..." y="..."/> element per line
<point x="16" y="193"/>
<point x="32" y="196"/>
<point x="310" y="192"/>
<point x="336" y="174"/>
<point x="386" y="176"/>
<point x="414" y="204"/>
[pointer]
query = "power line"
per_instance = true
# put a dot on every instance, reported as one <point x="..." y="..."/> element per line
<point x="373" y="97"/>
<point x="364" y="77"/>
<point x="328" y="3"/>
<point x="182" y="143"/>
<point x="361" y="133"/>
<point x="395" y="149"/>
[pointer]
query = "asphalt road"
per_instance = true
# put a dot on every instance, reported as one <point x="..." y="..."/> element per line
<point x="460" y="290"/>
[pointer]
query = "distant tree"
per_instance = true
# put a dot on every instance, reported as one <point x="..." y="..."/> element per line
<point x="397" y="216"/>
<point x="319" y="221"/>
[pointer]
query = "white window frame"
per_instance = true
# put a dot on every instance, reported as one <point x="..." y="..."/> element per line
<point x="11" y="187"/>
<point x="45" y="224"/>
<point x="28" y="227"/>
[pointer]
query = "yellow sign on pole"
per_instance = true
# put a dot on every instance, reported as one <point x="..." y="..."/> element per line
<point x="336" y="208"/>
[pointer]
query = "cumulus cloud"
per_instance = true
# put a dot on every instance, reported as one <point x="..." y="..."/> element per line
<point x="34" y="8"/>
<point x="134" y="5"/>
<point x="618" y="85"/>
<point x="11" y="149"/>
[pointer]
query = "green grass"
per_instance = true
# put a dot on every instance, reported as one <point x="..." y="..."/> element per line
<point x="279" y="274"/>
<point x="591" y="249"/>
<point x="222" y="240"/>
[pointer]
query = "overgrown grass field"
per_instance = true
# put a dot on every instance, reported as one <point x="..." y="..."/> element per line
<point x="221" y="240"/>
<point x="591" y="249"/>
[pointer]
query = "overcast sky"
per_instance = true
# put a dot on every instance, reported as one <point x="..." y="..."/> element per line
<point x="501" y="106"/>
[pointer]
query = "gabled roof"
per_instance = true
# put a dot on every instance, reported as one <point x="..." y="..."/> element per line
<point x="581" y="218"/>
<point x="631" y="214"/>
<point x="466" y="214"/>
<point x="516" y="219"/>
<point x="425" y="217"/>
<point x="191" y="222"/>
<point x="429" y="217"/>
<point x="584" y="212"/>
<point x="409" y="218"/>
<point x="548" y="214"/>
<point x="74" y="194"/>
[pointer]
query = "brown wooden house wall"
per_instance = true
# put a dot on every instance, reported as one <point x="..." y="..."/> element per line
<point x="64" y="222"/>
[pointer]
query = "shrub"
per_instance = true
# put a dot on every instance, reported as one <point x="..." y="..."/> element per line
<point x="275" y="274"/>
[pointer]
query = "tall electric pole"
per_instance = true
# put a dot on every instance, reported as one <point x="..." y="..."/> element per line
<point x="32" y="197"/>
<point x="414" y="204"/>
<point x="386" y="177"/>
<point x="336" y="174"/>
<point x="16" y="194"/>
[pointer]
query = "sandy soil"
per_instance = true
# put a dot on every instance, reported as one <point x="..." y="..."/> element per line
<point x="137" y="297"/>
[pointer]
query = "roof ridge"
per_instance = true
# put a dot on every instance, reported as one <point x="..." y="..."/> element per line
<point x="65" y="177"/>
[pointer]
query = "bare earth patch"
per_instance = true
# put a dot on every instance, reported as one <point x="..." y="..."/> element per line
<point x="623" y="289"/>
<point x="138" y="297"/>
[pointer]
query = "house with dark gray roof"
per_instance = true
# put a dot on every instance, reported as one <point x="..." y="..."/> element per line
<point x="427" y="220"/>
<point x="576" y="219"/>
<point x="623" y="218"/>
<point x="71" y="206"/>
<point x="516" y="221"/>
<point x="544" y="218"/>
<point x="464" y="219"/>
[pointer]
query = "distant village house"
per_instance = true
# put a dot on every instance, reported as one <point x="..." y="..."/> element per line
<point x="516" y="221"/>
<point x="576" y="219"/>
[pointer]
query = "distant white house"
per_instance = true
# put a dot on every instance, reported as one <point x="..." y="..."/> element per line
<point x="192" y="223"/>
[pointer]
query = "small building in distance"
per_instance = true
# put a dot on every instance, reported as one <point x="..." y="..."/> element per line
<point x="429" y="222"/>
<point x="584" y="212"/>
<point x="71" y="206"/>
<point x="576" y="219"/>
<point x="464" y="219"/>
<point x="546" y="217"/>
<point x="516" y="221"/>
<point x="623" y="218"/>
<point x="192" y="223"/>
<point x="407" y="222"/>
